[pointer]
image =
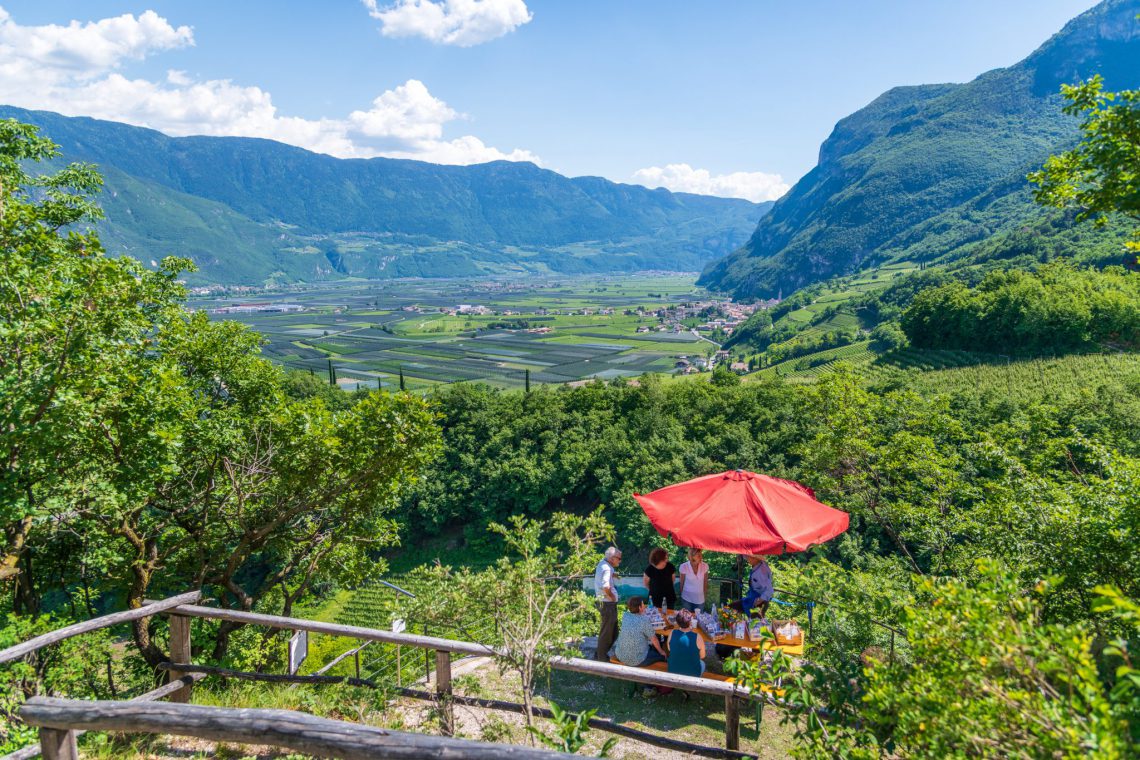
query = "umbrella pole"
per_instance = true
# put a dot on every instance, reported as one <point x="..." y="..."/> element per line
<point x="738" y="585"/>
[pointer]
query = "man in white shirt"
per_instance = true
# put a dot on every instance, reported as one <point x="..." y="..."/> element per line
<point x="606" y="597"/>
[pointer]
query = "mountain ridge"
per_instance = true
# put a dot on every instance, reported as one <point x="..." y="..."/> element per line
<point x="288" y="208"/>
<point x="917" y="172"/>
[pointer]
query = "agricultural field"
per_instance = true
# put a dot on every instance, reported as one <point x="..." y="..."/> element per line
<point x="837" y="294"/>
<point x="1067" y="378"/>
<point x="367" y="334"/>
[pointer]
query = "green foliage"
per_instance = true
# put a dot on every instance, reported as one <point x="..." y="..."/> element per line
<point x="537" y="606"/>
<point x="722" y="376"/>
<point x="93" y="666"/>
<point x="148" y="450"/>
<point x="1125" y="678"/>
<point x="889" y="336"/>
<point x="76" y="329"/>
<point x="1056" y="309"/>
<point x="1099" y="175"/>
<point x="570" y="731"/>
<point x="987" y="678"/>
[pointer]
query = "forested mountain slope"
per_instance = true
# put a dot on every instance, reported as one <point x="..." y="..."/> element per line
<point x="247" y="210"/>
<point x="924" y="172"/>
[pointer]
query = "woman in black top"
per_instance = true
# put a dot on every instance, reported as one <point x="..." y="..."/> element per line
<point x="658" y="579"/>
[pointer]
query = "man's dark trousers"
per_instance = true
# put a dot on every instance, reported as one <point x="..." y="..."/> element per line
<point x="608" y="633"/>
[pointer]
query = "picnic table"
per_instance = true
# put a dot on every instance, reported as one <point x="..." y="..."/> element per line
<point x="729" y="640"/>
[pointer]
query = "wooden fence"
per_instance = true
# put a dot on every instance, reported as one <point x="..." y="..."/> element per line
<point x="732" y="694"/>
<point x="183" y="673"/>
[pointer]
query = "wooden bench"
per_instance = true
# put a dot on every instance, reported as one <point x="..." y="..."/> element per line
<point x="663" y="667"/>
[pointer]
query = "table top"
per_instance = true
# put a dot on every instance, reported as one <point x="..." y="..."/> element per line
<point x="745" y="643"/>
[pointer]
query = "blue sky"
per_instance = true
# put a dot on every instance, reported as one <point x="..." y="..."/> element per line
<point x="736" y="96"/>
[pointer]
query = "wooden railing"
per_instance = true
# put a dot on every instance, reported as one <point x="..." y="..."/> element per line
<point x="183" y="673"/>
<point x="60" y="720"/>
<point x="732" y="694"/>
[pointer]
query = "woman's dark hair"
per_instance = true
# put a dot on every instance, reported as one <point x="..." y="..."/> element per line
<point x="657" y="555"/>
<point x="684" y="619"/>
<point x="633" y="604"/>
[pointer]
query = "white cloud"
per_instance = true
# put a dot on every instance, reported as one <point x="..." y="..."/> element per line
<point x="89" y="49"/>
<point x="450" y="22"/>
<point x="682" y="178"/>
<point x="73" y="70"/>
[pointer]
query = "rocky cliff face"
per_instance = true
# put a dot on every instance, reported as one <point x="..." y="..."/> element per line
<point x="922" y="171"/>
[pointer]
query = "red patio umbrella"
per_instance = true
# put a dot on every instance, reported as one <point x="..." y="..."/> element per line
<point x="743" y="513"/>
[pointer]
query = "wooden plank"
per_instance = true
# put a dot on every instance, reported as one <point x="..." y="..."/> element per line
<point x="180" y="652"/>
<point x="94" y="624"/>
<point x="58" y="744"/>
<point x="295" y="731"/>
<point x="337" y="629"/>
<point x="602" y="724"/>
<point x="33" y="750"/>
<point x="443" y="693"/>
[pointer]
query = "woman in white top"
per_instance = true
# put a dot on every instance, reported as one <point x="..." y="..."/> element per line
<point x="694" y="581"/>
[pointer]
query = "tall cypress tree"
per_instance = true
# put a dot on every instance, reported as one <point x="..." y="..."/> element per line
<point x="402" y="378"/>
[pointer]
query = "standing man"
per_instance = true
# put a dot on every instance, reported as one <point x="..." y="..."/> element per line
<point x="606" y="597"/>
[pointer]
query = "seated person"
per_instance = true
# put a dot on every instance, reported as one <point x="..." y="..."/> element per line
<point x="658" y="580"/>
<point x="686" y="647"/>
<point x="637" y="644"/>
<point x="760" y="588"/>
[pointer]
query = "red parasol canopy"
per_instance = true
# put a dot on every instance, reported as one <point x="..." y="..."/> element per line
<point x="743" y="513"/>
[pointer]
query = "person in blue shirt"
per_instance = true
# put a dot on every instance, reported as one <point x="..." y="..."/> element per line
<point x="760" y="588"/>
<point x="686" y="647"/>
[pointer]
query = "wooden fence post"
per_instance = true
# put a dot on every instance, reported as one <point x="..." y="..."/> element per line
<point x="180" y="653"/>
<point x="443" y="693"/>
<point x="731" y="722"/>
<point x="58" y="745"/>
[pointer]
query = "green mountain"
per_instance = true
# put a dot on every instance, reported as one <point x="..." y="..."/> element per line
<point x="927" y="173"/>
<point x="250" y="211"/>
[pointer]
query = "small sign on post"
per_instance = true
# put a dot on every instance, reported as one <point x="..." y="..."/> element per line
<point x="298" y="650"/>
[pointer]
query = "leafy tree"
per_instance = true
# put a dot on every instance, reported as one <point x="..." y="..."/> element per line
<point x="1099" y="176"/>
<point x="266" y="494"/>
<point x="167" y="453"/>
<point x="987" y="679"/>
<point x="1057" y="308"/>
<point x="570" y="732"/>
<point x="75" y="331"/>
<point x="889" y="336"/>
<point x="722" y="376"/>
<point x="537" y="604"/>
